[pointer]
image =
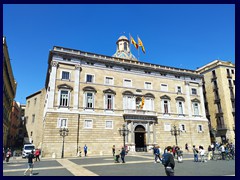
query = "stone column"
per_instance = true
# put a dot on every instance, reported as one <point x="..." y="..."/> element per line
<point x="188" y="100"/>
<point x="154" y="133"/>
<point x="76" y="86"/>
<point x="52" y="83"/>
<point x="148" y="133"/>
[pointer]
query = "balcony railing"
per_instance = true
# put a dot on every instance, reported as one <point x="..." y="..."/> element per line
<point x="139" y="112"/>
<point x="221" y="127"/>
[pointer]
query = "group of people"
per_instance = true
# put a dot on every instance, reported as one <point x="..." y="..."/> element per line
<point x="121" y="153"/>
<point x="85" y="148"/>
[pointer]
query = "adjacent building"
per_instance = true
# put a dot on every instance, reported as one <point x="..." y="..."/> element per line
<point x="34" y="118"/>
<point x="93" y="95"/>
<point x="15" y="119"/>
<point x="219" y="95"/>
<point x="9" y="91"/>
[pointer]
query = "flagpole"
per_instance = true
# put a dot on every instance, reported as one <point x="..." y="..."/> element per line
<point x="130" y="42"/>
<point x="138" y="49"/>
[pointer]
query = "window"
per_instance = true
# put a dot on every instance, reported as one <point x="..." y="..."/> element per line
<point x="182" y="127"/>
<point x="109" y="125"/>
<point x="180" y="108"/>
<point x="232" y="71"/>
<point x="31" y="133"/>
<point x="35" y="101"/>
<point x="165" y="107"/>
<point x="129" y="102"/>
<point x="125" y="46"/>
<point x="194" y="91"/>
<point x="109" y="80"/>
<point x="213" y="73"/>
<point x="179" y="89"/>
<point x="167" y="127"/>
<point x="164" y="87"/>
<point x="88" y="124"/>
<point x="90" y="78"/>
<point x="148" y="104"/>
<point x="89" y="100"/>
<point x="199" y="128"/>
<point x="109" y="101"/>
<point x="28" y="103"/>
<point x="195" y="109"/>
<point x="62" y="122"/>
<point x="148" y="85"/>
<point x="127" y="83"/>
<point x="65" y="75"/>
<point x="64" y="98"/>
<point x="33" y="118"/>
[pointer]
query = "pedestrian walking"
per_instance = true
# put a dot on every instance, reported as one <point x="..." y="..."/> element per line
<point x="3" y="154"/>
<point x="37" y="154"/>
<point x="30" y="164"/>
<point x="79" y="153"/>
<point x="222" y="148"/>
<point x="85" y="150"/>
<point x="157" y="154"/>
<point x="8" y="155"/>
<point x="186" y="147"/>
<point x="202" y="154"/>
<point x="113" y="150"/>
<point x="195" y="154"/>
<point x="123" y="153"/>
<point x="168" y="162"/>
<point x="179" y="155"/>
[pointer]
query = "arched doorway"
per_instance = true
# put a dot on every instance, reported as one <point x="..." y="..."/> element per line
<point x="140" y="139"/>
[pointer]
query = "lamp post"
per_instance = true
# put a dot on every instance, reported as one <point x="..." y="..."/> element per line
<point x="175" y="132"/>
<point x="123" y="132"/>
<point x="63" y="132"/>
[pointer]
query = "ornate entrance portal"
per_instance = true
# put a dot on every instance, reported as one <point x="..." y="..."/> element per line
<point x="140" y="139"/>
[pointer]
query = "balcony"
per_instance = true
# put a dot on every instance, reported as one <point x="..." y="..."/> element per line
<point x="221" y="127"/>
<point x="138" y="115"/>
<point x="229" y="75"/>
<point x="139" y="112"/>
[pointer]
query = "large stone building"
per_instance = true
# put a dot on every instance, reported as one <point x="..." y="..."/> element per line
<point x="15" y="119"/>
<point x="93" y="95"/>
<point x="219" y="94"/>
<point x="9" y="92"/>
<point x="34" y="118"/>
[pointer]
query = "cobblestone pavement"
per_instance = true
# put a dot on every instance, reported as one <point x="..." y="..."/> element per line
<point x="136" y="165"/>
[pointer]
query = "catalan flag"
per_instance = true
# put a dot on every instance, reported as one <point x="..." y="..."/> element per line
<point x="141" y="45"/>
<point x="142" y="104"/>
<point x="134" y="42"/>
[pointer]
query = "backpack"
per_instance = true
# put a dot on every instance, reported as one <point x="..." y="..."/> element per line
<point x="165" y="159"/>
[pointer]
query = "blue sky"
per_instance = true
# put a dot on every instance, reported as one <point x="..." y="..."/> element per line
<point x="184" y="36"/>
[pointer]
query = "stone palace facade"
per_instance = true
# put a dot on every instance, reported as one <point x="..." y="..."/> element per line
<point x="93" y="95"/>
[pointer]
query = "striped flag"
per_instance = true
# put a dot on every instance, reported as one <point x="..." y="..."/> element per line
<point x="134" y="42"/>
<point x="141" y="45"/>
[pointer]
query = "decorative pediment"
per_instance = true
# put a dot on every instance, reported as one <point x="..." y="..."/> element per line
<point x="127" y="93"/>
<point x="89" y="88"/>
<point x="179" y="98"/>
<point x="195" y="100"/>
<point x="165" y="97"/>
<point x="150" y="95"/>
<point x="64" y="86"/>
<point x="109" y="91"/>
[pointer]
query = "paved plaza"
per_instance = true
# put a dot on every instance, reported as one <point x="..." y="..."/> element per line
<point x="140" y="164"/>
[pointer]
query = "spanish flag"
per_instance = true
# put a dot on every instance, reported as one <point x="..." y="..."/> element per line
<point x="142" y="104"/>
<point x="141" y="44"/>
<point x="134" y="42"/>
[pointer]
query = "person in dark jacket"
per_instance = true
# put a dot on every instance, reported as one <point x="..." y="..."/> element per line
<point x="170" y="164"/>
<point x="123" y="153"/>
<point x="30" y="163"/>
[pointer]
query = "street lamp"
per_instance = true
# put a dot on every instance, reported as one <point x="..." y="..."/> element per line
<point x="123" y="132"/>
<point x="63" y="132"/>
<point x="175" y="132"/>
